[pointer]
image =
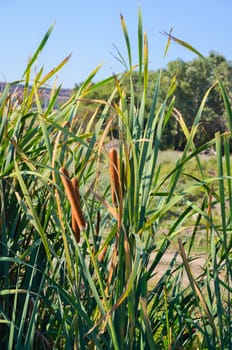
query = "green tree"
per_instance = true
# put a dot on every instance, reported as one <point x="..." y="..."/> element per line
<point x="193" y="79"/>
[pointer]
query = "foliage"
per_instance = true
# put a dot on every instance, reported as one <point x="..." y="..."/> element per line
<point x="193" y="78"/>
<point x="102" y="290"/>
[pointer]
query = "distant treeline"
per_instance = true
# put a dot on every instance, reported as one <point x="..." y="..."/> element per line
<point x="192" y="80"/>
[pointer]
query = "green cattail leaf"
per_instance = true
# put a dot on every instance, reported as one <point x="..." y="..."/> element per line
<point x="39" y="49"/>
<point x="227" y="103"/>
<point x="168" y="43"/>
<point x="148" y="327"/>
<point x="54" y="70"/>
<point x="85" y="87"/>
<point x="140" y="41"/>
<point x="145" y="59"/>
<point x="182" y="43"/>
<point x="126" y="36"/>
<point x="32" y="214"/>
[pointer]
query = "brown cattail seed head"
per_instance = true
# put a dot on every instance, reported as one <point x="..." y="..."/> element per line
<point x="75" y="227"/>
<point x="73" y="197"/>
<point x="114" y="175"/>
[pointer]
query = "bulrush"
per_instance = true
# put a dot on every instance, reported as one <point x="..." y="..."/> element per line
<point x="114" y="176"/>
<point x="72" y="192"/>
<point x="75" y="227"/>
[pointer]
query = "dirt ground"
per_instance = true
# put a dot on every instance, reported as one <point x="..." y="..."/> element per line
<point x="196" y="265"/>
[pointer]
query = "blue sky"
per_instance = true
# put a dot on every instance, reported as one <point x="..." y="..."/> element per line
<point x="89" y="29"/>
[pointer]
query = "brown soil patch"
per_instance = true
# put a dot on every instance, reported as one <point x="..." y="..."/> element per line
<point x="196" y="264"/>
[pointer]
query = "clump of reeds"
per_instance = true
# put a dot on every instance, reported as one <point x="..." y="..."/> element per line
<point x="72" y="192"/>
<point x="127" y="298"/>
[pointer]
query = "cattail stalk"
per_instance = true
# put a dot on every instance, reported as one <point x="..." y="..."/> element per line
<point x="74" y="198"/>
<point x="114" y="176"/>
<point x="98" y="223"/>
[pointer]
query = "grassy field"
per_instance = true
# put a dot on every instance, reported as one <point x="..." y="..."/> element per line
<point x="84" y="229"/>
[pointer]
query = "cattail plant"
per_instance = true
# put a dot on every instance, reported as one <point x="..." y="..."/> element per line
<point x="114" y="176"/>
<point x="75" y="226"/>
<point x="116" y="183"/>
<point x="72" y="192"/>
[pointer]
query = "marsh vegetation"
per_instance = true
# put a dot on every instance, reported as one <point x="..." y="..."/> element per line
<point x="84" y="229"/>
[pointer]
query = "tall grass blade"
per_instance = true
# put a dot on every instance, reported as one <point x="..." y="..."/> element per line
<point x="226" y="103"/>
<point x="38" y="51"/>
<point x="140" y="41"/>
<point x="127" y="40"/>
<point x="184" y="44"/>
